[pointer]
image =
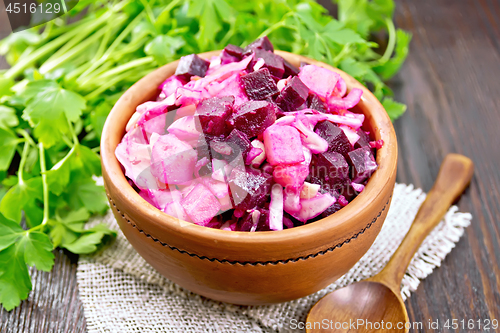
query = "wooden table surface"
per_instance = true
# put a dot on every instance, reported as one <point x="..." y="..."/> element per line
<point x="451" y="82"/>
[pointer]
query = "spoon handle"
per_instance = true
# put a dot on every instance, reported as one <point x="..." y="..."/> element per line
<point x="454" y="175"/>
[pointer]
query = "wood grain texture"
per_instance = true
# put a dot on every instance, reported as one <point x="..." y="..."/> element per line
<point x="450" y="82"/>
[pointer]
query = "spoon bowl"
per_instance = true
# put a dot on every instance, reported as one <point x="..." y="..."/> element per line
<point x="366" y="306"/>
<point x="375" y="304"/>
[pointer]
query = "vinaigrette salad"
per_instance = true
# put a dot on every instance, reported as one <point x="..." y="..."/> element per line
<point x="248" y="142"/>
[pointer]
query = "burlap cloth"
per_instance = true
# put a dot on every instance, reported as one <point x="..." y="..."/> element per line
<point x="122" y="293"/>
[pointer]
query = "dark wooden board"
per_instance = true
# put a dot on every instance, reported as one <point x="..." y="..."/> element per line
<point x="450" y="82"/>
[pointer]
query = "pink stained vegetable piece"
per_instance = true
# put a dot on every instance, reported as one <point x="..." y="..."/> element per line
<point x="358" y="187"/>
<point x="283" y="145"/>
<point x="234" y="88"/>
<point x="172" y="160"/>
<point x="170" y="85"/>
<point x="175" y="209"/>
<point x="340" y="88"/>
<point x="163" y="197"/>
<point x="218" y="188"/>
<point x="310" y="208"/>
<point x="276" y="208"/>
<point x="185" y="128"/>
<point x="185" y="96"/>
<point x="291" y="199"/>
<point x="347" y="102"/>
<point x="201" y="205"/>
<point x="155" y="125"/>
<point x="136" y="160"/>
<point x="291" y="176"/>
<point x="376" y="144"/>
<point x="308" y="137"/>
<point x="319" y="80"/>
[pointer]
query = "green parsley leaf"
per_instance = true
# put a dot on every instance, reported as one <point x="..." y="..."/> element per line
<point x="394" y="109"/>
<point x="8" y="117"/>
<point x="50" y="107"/>
<point x="163" y="48"/>
<point x="18" y="196"/>
<point x="8" y="144"/>
<point x="19" y="248"/>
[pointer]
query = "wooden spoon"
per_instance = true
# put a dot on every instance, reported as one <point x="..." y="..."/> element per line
<point x="375" y="304"/>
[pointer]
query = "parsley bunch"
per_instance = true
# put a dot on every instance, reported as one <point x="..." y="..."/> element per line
<point x="65" y="77"/>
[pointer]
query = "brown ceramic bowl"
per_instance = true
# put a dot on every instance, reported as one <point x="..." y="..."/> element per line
<point x="243" y="267"/>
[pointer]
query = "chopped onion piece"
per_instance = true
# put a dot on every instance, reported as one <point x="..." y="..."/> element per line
<point x="309" y="190"/>
<point x="276" y="208"/>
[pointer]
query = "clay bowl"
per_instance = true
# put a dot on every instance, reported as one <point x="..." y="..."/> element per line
<point x="242" y="267"/>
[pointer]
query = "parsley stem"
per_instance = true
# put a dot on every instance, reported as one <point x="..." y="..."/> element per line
<point x="73" y="134"/>
<point x="391" y="44"/>
<point x="24" y="156"/>
<point x="25" y="135"/>
<point x="43" y="171"/>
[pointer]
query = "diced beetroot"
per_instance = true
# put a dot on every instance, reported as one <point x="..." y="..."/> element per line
<point x="246" y="222"/>
<point x="283" y="145"/>
<point x="172" y="160"/>
<point x="351" y="135"/>
<point x="364" y="139"/>
<point x="363" y="164"/>
<point x="231" y="53"/>
<point x="290" y="70"/>
<point x="315" y="103"/>
<point x="310" y="208"/>
<point x="253" y="117"/>
<point x="201" y="205"/>
<point x="239" y="143"/>
<point x="331" y="168"/>
<point x="262" y="43"/>
<point x="213" y="113"/>
<point x="191" y="65"/>
<point x="336" y="138"/>
<point x="293" y="95"/>
<point x="249" y="188"/>
<point x="347" y="102"/>
<point x="311" y="75"/>
<point x="234" y="50"/>
<point x="259" y="85"/>
<point x="272" y="61"/>
<point x="332" y="209"/>
<point x="291" y="176"/>
<point x="276" y="208"/>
